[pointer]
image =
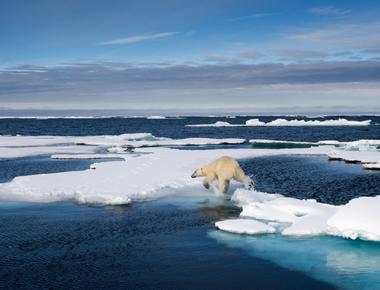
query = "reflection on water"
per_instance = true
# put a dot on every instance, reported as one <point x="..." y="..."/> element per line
<point x="344" y="263"/>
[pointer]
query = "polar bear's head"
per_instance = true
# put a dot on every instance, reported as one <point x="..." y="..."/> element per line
<point x="199" y="172"/>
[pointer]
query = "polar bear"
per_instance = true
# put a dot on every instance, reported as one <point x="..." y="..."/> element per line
<point x="223" y="169"/>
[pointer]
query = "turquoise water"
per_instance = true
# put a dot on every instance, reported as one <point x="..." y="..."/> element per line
<point x="343" y="263"/>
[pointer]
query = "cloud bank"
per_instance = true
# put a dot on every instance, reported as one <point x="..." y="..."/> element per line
<point x="346" y="83"/>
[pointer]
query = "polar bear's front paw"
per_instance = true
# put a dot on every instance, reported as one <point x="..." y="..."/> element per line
<point x="249" y="184"/>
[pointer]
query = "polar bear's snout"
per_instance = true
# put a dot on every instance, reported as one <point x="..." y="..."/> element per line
<point x="197" y="173"/>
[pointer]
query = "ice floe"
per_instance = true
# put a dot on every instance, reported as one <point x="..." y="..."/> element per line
<point x="22" y="146"/>
<point x="284" y="122"/>
<point x="156" y="117"/>
<point x="355" y="156"/>
<point x="295" y="122"/>
<point x="139" y="176"/>
<point x="245" y="226"/>
<point x="362" y="151"/>
<point x="359" y="218"/>
<point x="216" y="124"/>
<point x="371" y="166"/>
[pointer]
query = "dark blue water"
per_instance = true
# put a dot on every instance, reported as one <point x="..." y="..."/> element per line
<point x="144" y="246"/>
<point x="175" y="128"/>
<point x="161" y="244"/>
<point x="10" y="168"/>
<point x="305" y="177"/>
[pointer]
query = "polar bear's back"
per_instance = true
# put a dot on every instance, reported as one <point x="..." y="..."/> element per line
<point x="225" y="167"/>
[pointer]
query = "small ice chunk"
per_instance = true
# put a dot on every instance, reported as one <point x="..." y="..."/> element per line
<point x="245" y="226"/>
<point x="156" y="117"/>
<point x="372" y="166"/>
<point x="255" y="122"/>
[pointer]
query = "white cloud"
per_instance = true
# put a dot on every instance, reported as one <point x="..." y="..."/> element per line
<point x="257" y="15"/>
<point x="351" y="35"/>
<point x="329" y="10"/>
<point x="137" y="38"/>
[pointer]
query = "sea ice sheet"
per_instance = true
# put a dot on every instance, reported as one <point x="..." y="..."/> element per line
<point x="359" y="219"/>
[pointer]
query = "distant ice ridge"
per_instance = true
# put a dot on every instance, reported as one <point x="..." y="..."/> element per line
<point x="358" y="219"/>
<point x="285" y="122"/>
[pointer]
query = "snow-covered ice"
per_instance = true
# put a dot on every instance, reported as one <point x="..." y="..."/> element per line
<point x="359" y="219"/>
<point x="355" y="156"/>
<point x="295" y="122"/>
<point x="136" y="178"/>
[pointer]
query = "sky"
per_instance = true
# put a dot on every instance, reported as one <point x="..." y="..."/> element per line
<point x="242" y="56"/>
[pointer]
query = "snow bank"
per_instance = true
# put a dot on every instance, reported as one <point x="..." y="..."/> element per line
<point x="359" y="218"/>
<point x="285" y="122"/>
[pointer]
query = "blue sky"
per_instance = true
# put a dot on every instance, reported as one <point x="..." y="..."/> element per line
<point x="252" y="55"/>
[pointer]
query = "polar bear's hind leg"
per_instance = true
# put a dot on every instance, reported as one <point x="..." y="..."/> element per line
<point x="224" y="184"/>
<point x="241" y="177"/>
